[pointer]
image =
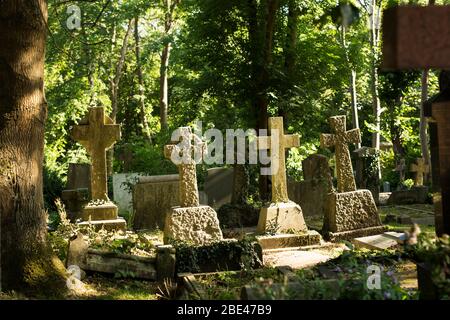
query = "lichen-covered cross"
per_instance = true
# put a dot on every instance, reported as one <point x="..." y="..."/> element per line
<point x="420" y="168"/>
<point x="184" y="155"/>
<point x="97" y="134"/>
<point x="340" y="140"/>
<point x="277" y="155"/>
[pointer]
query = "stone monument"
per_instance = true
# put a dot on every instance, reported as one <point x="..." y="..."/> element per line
<point x="350" y="213"/>
<point x="97" y="133"/>
<point x="191" y="222"/>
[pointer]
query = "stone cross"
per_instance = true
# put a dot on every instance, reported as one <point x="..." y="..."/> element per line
<point x="97" y="136"/>
<point x="340" y="140"/>
<point x="277" y="155"/>
<point x="417" y="37"/>
<point x="420" y="169"/>
<point x="186" y="163"/>
<point x="400" y="168"/>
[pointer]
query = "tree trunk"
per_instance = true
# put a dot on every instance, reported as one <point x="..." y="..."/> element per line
<point x="141" y="92"/>
<point x="374" y="37"/>
<point x="27" y="262"/>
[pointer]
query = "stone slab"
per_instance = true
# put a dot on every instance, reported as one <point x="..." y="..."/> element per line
<point x="196" y="225"/>
<point x="376" y="242"/>
<point x="116" y="224"/>
<point x="418" y="194"/>
<point x="349" y="235"/>
<point x="397" y="236"/>
<point x="296" y="259"/>
<point x="100" y="212"/>
<point x="277" y="241"/>
<point x="281" y="217"/>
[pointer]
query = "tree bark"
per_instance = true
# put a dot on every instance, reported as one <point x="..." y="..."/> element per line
<point x="27" y="262"/>
<point x="374" y="37"/>
<point x="141" y="91"/>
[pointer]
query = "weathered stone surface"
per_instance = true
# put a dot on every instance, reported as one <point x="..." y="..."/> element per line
<point x="375" y="242"/>
<point x="351" y="210"/>
<point x="351" y="234"/>
<point x="219" y="186"/>
<point x="76" y="254"/>
<point x="281" y="217"/>
<point x="340" y="140"/>
<point x="197" y="225"/>
<point x="416" y="37"/>
<point x="122" y="190"/>
<point x="106" y="211"/>
<point x="109" y="225"/>
<point x="153" y="197"/>
<point x="420" y="169"/>
<point x="418" y="194"/>
<point x="165" y="262"/>
<point x="238" y="215"/>
<point x="77" y="191"/>
<point x="308" y="238"/>
<point x="78" y="176"/>
<point x="312" y="192"/>
<point x="277" y="156"/>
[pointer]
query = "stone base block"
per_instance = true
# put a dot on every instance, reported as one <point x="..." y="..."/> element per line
<point x="352" y="234"/>
<point x="195" y="225"/>
<point x="113" y="224"/>
<point x="101" y="212"/>
<point x="281" y="217"/>
<point x="417" y="194"/>
<point x="278" y="241"/>
<point x="349" y="211"/>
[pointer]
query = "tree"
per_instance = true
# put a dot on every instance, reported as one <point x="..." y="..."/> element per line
<point x="27" y="264"/>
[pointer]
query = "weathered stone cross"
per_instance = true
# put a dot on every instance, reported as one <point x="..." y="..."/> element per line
<point x="400" y="168"/>
<point x="420" y="169"/>
<point x="97" y="136"/>
<point x="182" y="155"/>
<point x="340" y="139"/>
<point x="277" y="156"/>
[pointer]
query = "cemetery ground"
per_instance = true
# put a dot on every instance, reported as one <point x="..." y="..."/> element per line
<point x="333" y="271"/>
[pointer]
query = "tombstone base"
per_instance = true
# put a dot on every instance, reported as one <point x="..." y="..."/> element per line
<point x="278" y="241"/>
<point x="352" y="234"/>
<point x="74" y="201"/>
<point x="109" y="225"/>
<point x="416" y="195"/>
<point x="196" y="225"/>
<point x="350" y="215"/>
<point x="281" y="217"/>
<point x="107" y="211"/>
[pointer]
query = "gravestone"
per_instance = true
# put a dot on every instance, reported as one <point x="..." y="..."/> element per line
<point x="122" y="190"/>
<point x="311" y="193"/>
<point x="282" y="215"/>
<point x="219" y="186"/>
<point x="401" y="168"/>
<point x="153" y="197"/>
<point x="97" y="134"/>
<point x="419" y="38"/>
<point x="367" y="171"/>
<point x="420" y="168"/>
<point x="190" y="222"/>
<point x="350" y="213"/>
<point x="76" y="194"/>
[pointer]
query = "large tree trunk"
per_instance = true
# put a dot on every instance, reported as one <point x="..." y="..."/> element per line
<point x="374" y="37"/>
<point x="141" y="92"/>
<point x="27" y="262"/>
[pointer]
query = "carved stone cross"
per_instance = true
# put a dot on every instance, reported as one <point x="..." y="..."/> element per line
<point x="340" y="140"/>
<point x="420" y="169"/>
<point x="277" y="156"/>
<point x="400" y="168"/>
<point x="183" y="155"/>
<point x="97" y="134"/>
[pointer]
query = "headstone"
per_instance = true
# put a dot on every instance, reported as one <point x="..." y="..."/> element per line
<point x="415" y="195"/>
<point x="282" y="215"/>
<point x="420" y="168"/>
<point x="386" y="186"/>
<point x="367" y="171"/>
<point x="76" y="194"/>
<point x="311" y="193"/>
<point x="419" y="38"/>
<point x="97" y="133"/>
<point x="219" y="186"/>
<point x="153" y="197"/>
<point x="190" y="222"/>
<point x="122" y="190"/>
<point x="350" y="213"/>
